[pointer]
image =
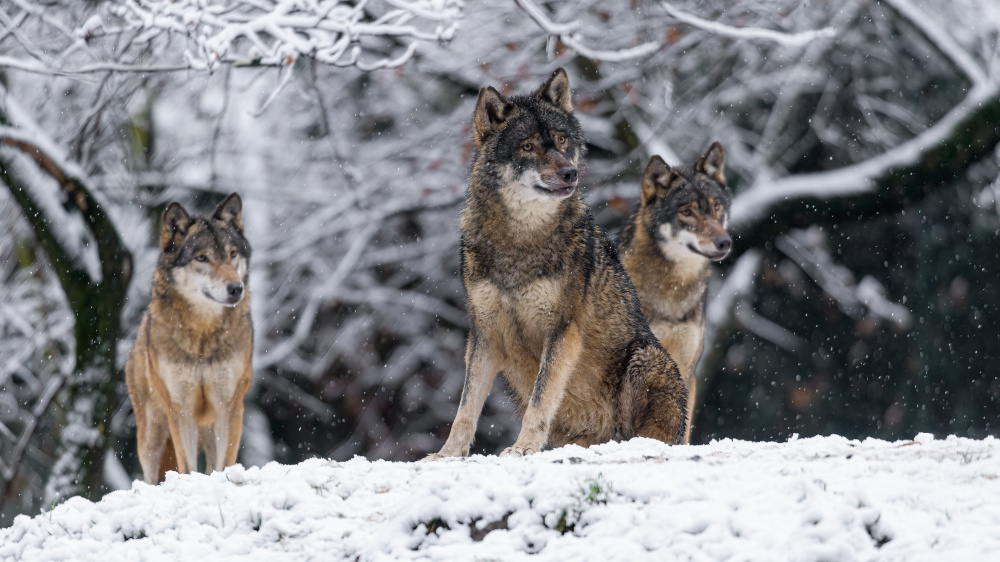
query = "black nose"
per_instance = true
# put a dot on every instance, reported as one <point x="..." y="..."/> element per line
<point x="723" y="243"/>
<point x="568" y="174"/>
<point x="234" y="289"/>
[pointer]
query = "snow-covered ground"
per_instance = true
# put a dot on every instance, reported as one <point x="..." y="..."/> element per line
<point x="817" y="499"/>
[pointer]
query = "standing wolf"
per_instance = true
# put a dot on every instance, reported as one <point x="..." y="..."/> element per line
<point x="667" y="246"/>
<point x="190" y="366"/>
<point x="550" y="305"/>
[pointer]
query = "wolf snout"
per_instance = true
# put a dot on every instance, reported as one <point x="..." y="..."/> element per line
<point x="234" y="291"/>
<point x="568" y="174"/>
<point x="723" y="244"/>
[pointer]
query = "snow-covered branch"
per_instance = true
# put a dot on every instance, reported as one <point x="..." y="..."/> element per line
<point x="964" y="135"/>
<point x="570" y="35"/>
<point x="277" y="32"/>
<point x="941" y="40"/>
<point x="804" y="248"/>
<point x="751" y="33"/>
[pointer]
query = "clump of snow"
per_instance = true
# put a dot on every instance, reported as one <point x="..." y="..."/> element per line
<point x="823" y="498"/>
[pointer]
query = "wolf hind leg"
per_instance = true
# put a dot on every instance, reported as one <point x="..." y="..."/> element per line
<point x="480" y="371"/>
<point x="659" y="399"/>
<point x="168" y="460"/>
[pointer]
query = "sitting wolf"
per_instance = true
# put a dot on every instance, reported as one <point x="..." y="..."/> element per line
<point x="550" y="305"/>
<point x="667" y="246"/>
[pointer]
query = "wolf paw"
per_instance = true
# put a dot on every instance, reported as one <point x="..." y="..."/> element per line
<point x="516" y="451"/>
<point x="444" y="455"/>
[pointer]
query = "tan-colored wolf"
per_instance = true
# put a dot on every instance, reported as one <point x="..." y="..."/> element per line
<point x="667" y="246"/>
<point x="550" y="306"/>
<point x="190" y="367"/>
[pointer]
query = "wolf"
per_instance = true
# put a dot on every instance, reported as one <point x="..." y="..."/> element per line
<point x="667" y="245"/>
<point x="190" y="366"/>
<point x="550" y="305"/>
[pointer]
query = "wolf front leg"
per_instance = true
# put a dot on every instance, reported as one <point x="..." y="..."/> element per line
<point x="559" y="360"/>
<point x="480" y="370"/>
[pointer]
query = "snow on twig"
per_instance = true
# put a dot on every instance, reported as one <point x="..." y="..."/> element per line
<point x="276" y="32"/>
<point x="568" y="34"/>
<point x="753" y="33"/>
<point x="27" y="66"/>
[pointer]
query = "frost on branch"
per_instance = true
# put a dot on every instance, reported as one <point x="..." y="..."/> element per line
<point x="369" y="35"/>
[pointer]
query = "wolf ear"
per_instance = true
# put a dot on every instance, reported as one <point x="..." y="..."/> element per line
<point x="713" y="162"/>
<point x="556" y="91"/>
<point x="231" y="211"/>
<point x="655" y="179"/>
<point x="174" y="223"/>
<point x="491" y="112"/>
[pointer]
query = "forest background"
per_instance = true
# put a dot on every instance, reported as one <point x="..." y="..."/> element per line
<point x="862" y="148"/>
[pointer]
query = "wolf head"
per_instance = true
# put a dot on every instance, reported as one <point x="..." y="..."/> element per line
<point x="531" y="145"/>
<point x="205" y="259"/>
<point x="687" y="208"/>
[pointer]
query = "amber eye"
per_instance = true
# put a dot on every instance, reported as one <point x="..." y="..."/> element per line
<point x="717" y="205"/>
<point x="202" y="258"/>
<point x="232" y="254"/>
<point x="561" y="139"/>
<point x="527" y="147"/>
<point x="687" y="213"/>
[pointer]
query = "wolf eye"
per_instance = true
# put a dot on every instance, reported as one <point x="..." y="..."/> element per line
<point x="201" y="257"/>
<point x="527" y="147"/>
<point x="561" y="139"/>
<point x="232" y="254"/>
<point x="687" y="213"/>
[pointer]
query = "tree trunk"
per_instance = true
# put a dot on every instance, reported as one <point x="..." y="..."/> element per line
<point x="90" y="397"/>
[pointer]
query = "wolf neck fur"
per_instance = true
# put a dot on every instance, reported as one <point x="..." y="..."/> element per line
<point x="194" y="329"/>
<point x="674" y="289"/>
<point x="494" y="205"/>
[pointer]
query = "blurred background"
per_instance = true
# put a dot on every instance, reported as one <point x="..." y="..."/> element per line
<point x="861" y="145"/>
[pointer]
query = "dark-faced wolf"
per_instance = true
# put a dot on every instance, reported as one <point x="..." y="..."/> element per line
<point x="190" y="368"/>
<point x="667" y="246"/>
<point x="550" y="305"/>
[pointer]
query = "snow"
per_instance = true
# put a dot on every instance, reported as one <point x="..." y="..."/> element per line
<point x="822" y="498"/>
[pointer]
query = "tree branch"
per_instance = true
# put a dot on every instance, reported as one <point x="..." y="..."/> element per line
<point x="886" y="183"/>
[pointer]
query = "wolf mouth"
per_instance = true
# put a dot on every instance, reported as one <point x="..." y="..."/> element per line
<point x="228" y="302"/>
<point x="714" y="256"/>
<point x="559" y="192"/>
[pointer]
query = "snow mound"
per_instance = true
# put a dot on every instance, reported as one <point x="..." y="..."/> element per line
<point x="817" y="499"/>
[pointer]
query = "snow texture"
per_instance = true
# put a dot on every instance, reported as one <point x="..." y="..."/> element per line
<point x="822" y="498"/>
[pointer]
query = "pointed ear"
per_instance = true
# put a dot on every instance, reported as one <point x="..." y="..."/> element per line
<point x="231" y="211"/>
<point x="174" y="223"/>
<point x="713" y="162"/>
<point x="655" y="179"/>
<point x="491" y="111"/>
<point x="556" y="91"/>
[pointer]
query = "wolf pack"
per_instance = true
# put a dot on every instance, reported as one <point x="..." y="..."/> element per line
<point x="596" y="341"/>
